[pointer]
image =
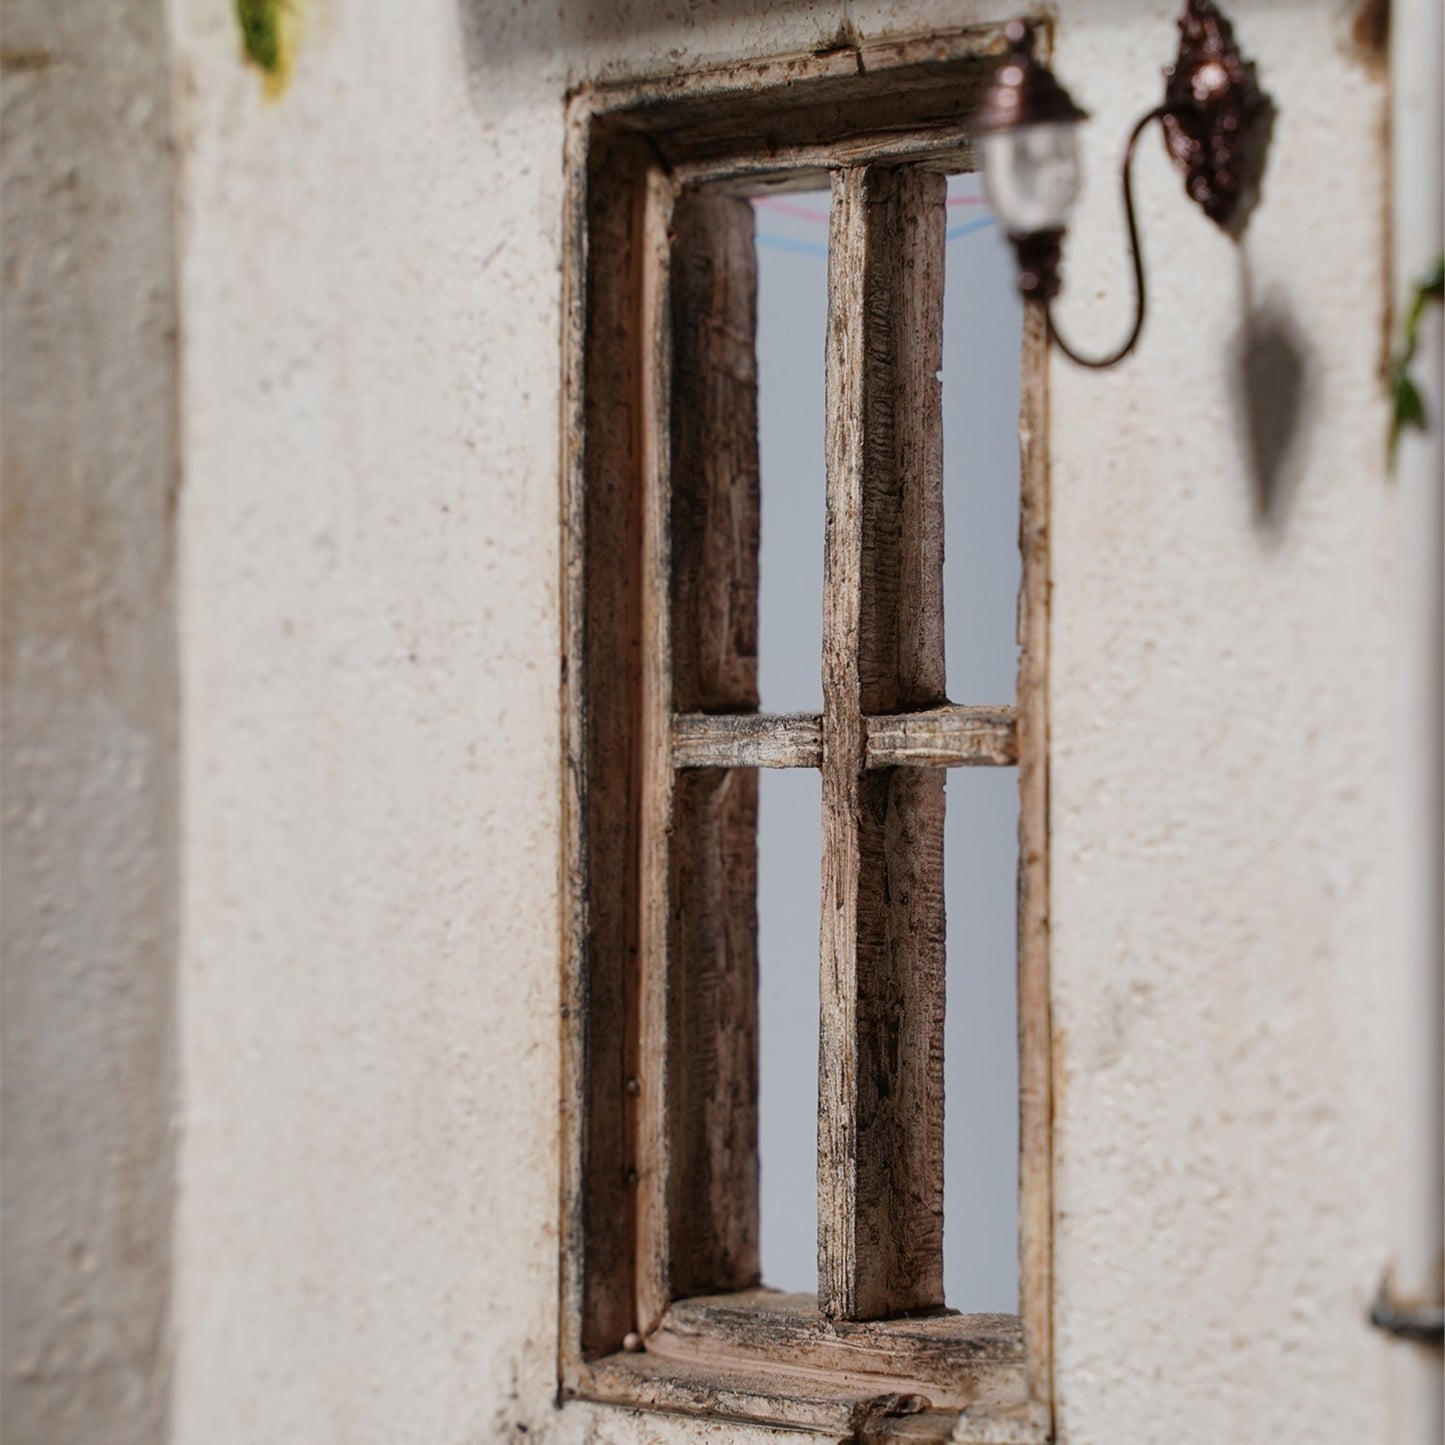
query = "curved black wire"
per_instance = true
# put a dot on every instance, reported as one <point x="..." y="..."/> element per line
<point x="1099" y="363"/>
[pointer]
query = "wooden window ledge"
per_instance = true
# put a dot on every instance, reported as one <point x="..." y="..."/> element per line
<point x="917" y="1377"/>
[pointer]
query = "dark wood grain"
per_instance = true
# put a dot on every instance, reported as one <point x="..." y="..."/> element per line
<point x="701" y="962"/>
<point x="943" y="737"/>
<point x="747" y="740"/>
<point x="760" y="1355"/>
<point x="600" y="683"/>
<point x="880" y="1109"/>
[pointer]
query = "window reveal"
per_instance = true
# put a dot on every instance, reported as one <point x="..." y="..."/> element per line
<point x="661" y="1244"/>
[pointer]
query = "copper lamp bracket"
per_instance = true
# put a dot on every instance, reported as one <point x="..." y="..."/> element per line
<point x="1216" y="119"/>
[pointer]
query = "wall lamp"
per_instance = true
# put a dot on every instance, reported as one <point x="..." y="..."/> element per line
<point x="1216" y="124"/>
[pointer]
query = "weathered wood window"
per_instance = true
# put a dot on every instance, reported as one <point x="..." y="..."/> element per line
<point x="662" y="1304"/>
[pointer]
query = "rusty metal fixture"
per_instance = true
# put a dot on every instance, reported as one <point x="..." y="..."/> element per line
<point x="1024" y="92"/>
<point x="1216" y="123"/>
<point x="1026" y="127"/>
<point x="1216" y="118"/>
<point x="1422" y="1323"/>
<point x="1136" y="254"/>
<point x="1038" y="255"/>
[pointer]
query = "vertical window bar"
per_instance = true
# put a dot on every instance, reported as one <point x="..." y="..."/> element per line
<point x="698" y="1184"/>
<point x="1035" y="1029"/>
<point x="712" y="888"/>
<point x="880" y="1160"/>
<point x="650" y="1165"/>
<point x="602" y="653"/>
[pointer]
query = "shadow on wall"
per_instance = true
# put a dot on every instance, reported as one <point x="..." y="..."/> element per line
<point x="90" y="653"/>
<point x="593" y="38"/>
<point x="1272" y="386"/>
<point x="1271" y="376"/>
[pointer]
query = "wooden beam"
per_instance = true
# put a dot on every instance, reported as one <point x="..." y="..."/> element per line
<point x="712" y="1081"/>
<point x="943" y="737"/>
<point x="770" y="1357"/>
<point x="829" y="105"/>
<point x="698" y="1066"/>
<point x="938" y="1348"/>
<point x="747" y="740"/>
<point x="866" y="1409"/>
<point x="880" y="1068"/>
<point x="600" y="672"/>
<point x="650" y="1161"/>
<point x="1036" y="1041"/>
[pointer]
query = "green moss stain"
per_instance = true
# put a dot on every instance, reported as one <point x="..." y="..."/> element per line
<point x="268" y="36"/>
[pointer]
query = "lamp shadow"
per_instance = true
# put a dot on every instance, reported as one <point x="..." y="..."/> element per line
<point x="1272" y="386"/>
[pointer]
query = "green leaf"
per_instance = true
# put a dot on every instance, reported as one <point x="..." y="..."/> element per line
<point x="1409" y="404"/>
<point x="1432" y="283"/>
<point x="1409" y="409"/>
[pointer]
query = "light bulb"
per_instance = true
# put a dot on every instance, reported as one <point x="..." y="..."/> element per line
<point x="1031" y="174"/>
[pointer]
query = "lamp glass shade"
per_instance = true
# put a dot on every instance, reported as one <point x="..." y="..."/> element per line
<point x="1031" y="174"/>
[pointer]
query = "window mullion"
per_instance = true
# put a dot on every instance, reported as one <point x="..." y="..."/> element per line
<point x="650" y="1163"/>
<point x="697" y="1078"/>
<point x="880" y="1164"/>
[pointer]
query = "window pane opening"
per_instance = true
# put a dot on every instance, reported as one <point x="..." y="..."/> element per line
<point x="789" y="863"/>
<point x="982" y="369"/>
<point x="791" y="236"/>
<point x="980" y="1048"/>
<point x="982" y="372"/>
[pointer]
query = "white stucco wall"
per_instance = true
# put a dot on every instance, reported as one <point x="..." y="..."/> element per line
<point x="88" y="728"/>
<point x="366" y="1245"/>
<point x="1223" y="933"/>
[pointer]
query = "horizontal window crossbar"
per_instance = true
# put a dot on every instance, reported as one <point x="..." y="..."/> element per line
<point x="747" y="740"/>
<point x="941" y="737"/>
<point x="944" y="737"/>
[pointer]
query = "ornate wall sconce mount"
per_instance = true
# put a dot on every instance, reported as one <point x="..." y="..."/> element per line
<point x="1216" y="122"/>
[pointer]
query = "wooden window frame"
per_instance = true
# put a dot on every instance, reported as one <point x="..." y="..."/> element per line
<point x="659" y="1237"/>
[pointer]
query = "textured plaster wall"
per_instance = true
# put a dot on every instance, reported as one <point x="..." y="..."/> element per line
<point x="88" y="772"/>
<point x="1223" y="928"/>
<point x="369" y="630"/>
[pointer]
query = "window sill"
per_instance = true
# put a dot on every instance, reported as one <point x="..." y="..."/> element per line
<point x="769" y="1358"/>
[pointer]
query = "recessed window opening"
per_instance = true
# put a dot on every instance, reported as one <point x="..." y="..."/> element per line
<point x="982" y="337"/>
<point x="791" y="237"/>
<point x="982" y="372"/>
<point x="807" y="808"/>
<point x="791" y="242"/>
<point x="980" y="1050"/>
<point x="789" y="844"/>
